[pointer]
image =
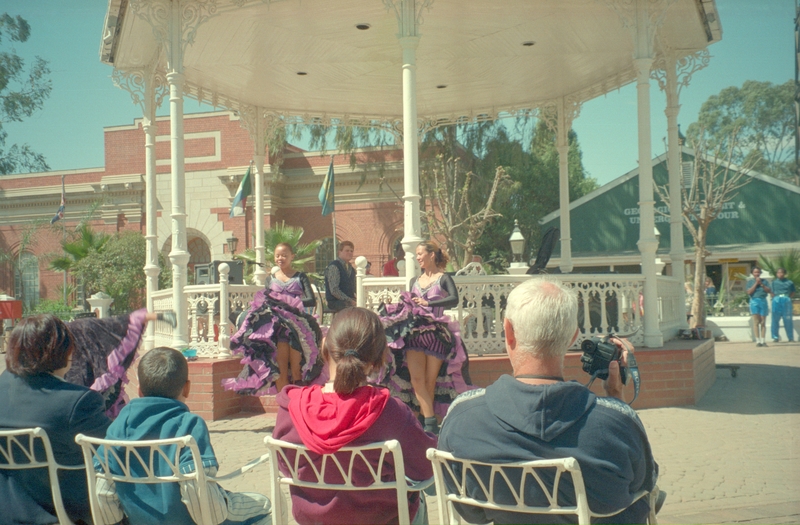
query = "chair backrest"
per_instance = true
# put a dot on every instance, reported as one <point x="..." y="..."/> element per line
<point x="336" y="471"/>
<point x="18" y="451"/>
<point x="475" y="483"/>
<point x="144" y="461"/>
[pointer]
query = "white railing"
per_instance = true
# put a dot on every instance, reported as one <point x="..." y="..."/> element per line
<point x="606" y="303"/>
<point x="205" y="310"/>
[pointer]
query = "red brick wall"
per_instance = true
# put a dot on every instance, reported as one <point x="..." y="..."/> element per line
<point x="677" y="375"/>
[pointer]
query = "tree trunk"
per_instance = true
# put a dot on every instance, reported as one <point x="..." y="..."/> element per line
<point x="698" y="301"/>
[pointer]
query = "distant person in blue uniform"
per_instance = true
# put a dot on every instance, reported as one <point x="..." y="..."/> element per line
<point x="757" y="289"/>
<point x="782" y="291"/>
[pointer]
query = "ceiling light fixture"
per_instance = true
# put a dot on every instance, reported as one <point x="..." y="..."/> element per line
<point x="441" y="86"/>
<point x="529" y="43"/>
<point x="363" y="27"/>
<point x="302" y="73"/>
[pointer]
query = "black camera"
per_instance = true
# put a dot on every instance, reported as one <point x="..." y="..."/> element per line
<point x="598" y="354"/>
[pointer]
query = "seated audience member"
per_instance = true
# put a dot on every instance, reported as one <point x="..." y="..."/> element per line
<point x="348" y="411"/>
<point x="160" y="413"/>
<point x="537" y="415"/>
<point x="33" y="393"/>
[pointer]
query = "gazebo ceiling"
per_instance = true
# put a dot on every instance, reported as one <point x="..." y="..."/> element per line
<point x="472" y="57"/>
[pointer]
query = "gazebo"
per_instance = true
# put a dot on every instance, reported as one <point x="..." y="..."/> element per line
<point x="405" y="66"/>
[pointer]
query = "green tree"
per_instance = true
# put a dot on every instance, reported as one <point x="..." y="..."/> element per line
<point x="21" y="94"/>
<point x="75" y="250"/>
<point x="534" y="191"/>
<point x="761" y="114"/>
<point x="116" y="269"/>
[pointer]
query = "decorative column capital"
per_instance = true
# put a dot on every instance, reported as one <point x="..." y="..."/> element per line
<point x="409" y="15"/>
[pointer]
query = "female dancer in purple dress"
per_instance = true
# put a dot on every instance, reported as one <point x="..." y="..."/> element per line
<point x="427" y="351"/>
<point x="105" y="349"/>
<point x="277" y="336"/>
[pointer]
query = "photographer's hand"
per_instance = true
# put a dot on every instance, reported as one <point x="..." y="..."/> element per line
<point x="613" y="385"/>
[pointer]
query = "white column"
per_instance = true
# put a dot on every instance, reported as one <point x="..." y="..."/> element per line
<point x="179" y="256"/>
<point x="647" y="240"/>
<point x="260" y="274"/>
<point x="224" y="348"/>
<point x="151" y="268"/>
<point x="677" y="253"/>
<point x="411" y="195"/>
<point x="562" y="145"/>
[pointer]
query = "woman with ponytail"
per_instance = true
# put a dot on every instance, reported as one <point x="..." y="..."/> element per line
<point x="422" y="338"/>
<point x="348" y="411"/>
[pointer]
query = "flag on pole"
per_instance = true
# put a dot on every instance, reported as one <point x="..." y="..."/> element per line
<point x="245" y="189"/>
<point x="326" y="192"/>
<point x="60" y="213"/>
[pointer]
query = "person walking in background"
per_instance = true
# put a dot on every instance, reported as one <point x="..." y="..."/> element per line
<point x="757" y="289"/>
<point x="782" y="291"/>
<point x="340" y="279"/>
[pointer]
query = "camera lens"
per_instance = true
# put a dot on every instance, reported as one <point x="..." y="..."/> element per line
<point x="588" y="346"/>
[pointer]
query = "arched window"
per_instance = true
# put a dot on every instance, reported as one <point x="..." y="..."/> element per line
<point x="325" y="254"/>
<point x="26" y="280"/>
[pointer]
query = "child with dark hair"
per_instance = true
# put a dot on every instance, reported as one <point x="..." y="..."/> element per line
<point x="348" y="411"/>
<point x="161" y="413"/>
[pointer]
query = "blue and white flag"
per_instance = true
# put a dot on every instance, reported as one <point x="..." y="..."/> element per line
<point x="60" y="213"/>
<point x="245" y="189"/>
<point x="326" y="192"/>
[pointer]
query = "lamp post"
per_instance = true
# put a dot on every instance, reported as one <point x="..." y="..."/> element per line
<point x="517" y="242"/>
<point x="659" y="263"/>
<point x="232" y="242"/>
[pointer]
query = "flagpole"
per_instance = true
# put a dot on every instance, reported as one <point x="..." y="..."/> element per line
<point x="64" y="230"/>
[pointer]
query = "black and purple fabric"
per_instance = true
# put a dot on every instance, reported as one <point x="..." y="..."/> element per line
<point x="410" y="326"/>
<point x="104" y="350"/>
<point x="275" y="315"/>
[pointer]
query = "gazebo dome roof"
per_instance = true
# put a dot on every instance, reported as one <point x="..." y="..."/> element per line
<point x="310" y="59"/>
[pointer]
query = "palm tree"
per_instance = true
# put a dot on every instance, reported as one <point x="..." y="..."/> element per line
<point x="788" y="260"/>
<point x="303" y="252"/>
<point x="87" y="241"/>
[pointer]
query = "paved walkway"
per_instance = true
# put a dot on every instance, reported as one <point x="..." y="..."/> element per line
<point x="733" y="458"/>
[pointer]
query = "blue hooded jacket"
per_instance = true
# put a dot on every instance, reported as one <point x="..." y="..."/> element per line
<point x="160" y="418"/>
<point x="513" y="421"/>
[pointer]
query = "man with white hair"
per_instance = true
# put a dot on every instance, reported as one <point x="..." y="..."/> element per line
<point x="537" y="415"/>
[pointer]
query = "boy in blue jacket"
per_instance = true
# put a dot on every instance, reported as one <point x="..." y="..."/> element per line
<point x="160" y="413"/>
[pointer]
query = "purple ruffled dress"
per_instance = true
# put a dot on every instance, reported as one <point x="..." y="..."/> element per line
<point x="275" y="315"/>
<point x="410" y="326"/>
<point x="104" y="350"/>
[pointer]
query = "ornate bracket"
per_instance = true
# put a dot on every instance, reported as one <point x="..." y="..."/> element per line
<point x="136" y="82"/>
<point x="159" y="14"/>
<point x="629" y="12"/>
<point x="684" y="67"/>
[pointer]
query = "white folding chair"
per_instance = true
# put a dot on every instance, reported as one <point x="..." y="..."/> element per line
<point x="465" y="475"/>
<point x="342" y="464"/>
<point x="140" y="460"/>
<point x="18" y="452"/>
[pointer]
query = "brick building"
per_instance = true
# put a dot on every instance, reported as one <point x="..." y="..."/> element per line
<point x="217" y="153"/>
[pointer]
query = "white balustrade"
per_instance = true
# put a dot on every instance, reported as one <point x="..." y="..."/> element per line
<point x="606" y="303"/>
<point x="203" y="313"/>
<point x="672" y="299"/>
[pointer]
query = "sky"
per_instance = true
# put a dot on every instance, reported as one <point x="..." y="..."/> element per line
<point x="757" y="44"/>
